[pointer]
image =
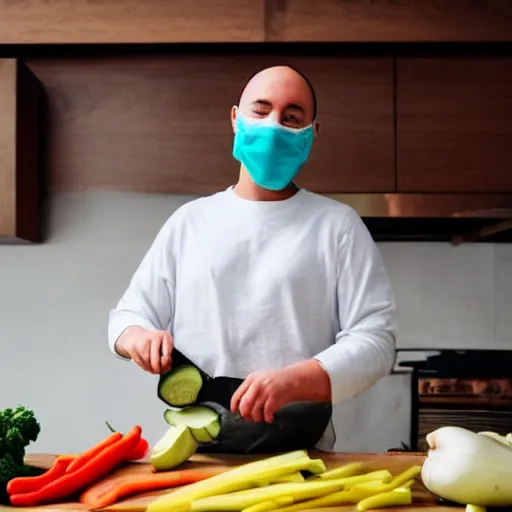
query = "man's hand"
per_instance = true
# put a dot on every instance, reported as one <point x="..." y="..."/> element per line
<point x="151" y="350"/>
<point x="264" y="392"/>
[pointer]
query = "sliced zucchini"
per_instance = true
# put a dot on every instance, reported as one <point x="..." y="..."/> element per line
<point x="175" y="447"/>
<point x="203" y="422"/>
<point x="180" y="386"/>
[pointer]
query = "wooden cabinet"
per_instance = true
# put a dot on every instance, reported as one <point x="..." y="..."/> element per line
<point x="454" y="129"/>
<point x="20" y="158"/>
<point x="388" y="21"/>
<point x="162" y="123"/>
<point x="242" y="21"/>
<point x="354" y="151"/>
<point x="131" y="21"/>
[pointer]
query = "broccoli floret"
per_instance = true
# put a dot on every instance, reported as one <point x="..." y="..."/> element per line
<point x="14" y="444"/>
<point x="25" y="421"/>
<point x="18" y="427"/>
<point x="9" y="469"/>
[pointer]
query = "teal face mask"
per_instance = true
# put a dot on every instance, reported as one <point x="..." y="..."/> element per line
<point x="272" y="154"/>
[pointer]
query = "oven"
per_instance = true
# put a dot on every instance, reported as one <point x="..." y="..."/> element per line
<point x="466" y="388"/>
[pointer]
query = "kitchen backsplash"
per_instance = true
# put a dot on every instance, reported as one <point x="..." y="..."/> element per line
<point x="452" y="297"/>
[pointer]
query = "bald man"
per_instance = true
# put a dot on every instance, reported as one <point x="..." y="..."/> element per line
<point x="265" y="281"/>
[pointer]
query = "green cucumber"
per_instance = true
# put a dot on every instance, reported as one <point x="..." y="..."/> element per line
<point x="175" y="447"/>
<point x="180" y="386"/>
<point x="203" y="422"/>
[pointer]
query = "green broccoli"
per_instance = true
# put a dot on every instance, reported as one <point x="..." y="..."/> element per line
<point x="18" y="427"/>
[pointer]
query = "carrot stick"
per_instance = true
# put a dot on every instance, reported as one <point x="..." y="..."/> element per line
<point x="108" y="492"/>
<point x="24" y="484"/>
<point x="140" y="451"/>
<point x="90" y="472"/>
<point x="89" y="454"/>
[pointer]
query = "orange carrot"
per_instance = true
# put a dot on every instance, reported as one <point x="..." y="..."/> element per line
<point x="140" y="451"/>
<point x="24" y="484"/>
<point x="106" y="493"/>
<point x="89" y="454"/>
<point x="93" y="470"/>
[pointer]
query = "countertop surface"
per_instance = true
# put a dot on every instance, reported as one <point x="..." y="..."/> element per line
<point x="394" y="462"/>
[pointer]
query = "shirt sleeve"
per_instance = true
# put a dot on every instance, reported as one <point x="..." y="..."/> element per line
<point x="364" y="349"/>
<point x="148" y="300"/>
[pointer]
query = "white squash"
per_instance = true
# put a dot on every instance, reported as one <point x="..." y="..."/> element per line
<point x="468" y="468"/>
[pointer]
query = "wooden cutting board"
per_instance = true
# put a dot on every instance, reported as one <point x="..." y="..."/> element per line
<point x="395" y="462"/>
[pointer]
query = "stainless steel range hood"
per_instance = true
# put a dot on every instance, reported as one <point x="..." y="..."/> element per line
<point x="457" y="218"/>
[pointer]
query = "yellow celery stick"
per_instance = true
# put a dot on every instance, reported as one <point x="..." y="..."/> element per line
<point x="285" y="470"/>
<point x="353" y="495"/>
<point x="475" y="508"/>
<point x="330" y="500"/>
<point x="270" y="504"/>
<point x="240" y="477"/>
<point x="410" y="473"/>
<point x="381" y="474"/>
<point x="335" y="499"/>
<point x="351" y="469"/>
<point x="398" y="496"/>
<point x="397" y="481"/>
<point x="291" y="478"/>
<point x="243" y="499"/>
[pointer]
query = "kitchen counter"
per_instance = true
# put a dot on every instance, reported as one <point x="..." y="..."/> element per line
<point x="394" y="462"/>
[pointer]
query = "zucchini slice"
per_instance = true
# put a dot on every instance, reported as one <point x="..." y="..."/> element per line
<point x="174" y="448"/>
<point x="203" y="422"/>
<point x="180" y="386"/>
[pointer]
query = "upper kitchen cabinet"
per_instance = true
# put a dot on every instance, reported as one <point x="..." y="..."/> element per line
<point x="454" y="130"/>
<point x="20" y="158"/>
<point x="354" y="150"/>
<point x="131" y="21"/>
<point x="162" y="123"/>
<point x="379" y="21"/>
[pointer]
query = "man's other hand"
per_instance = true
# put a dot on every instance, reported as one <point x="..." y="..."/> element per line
<point x="264" y="392"/>
<point x="151" y="350"/>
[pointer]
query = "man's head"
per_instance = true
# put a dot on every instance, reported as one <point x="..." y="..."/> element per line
<point x="282" y="93"/>
<point x="275" y="126"/>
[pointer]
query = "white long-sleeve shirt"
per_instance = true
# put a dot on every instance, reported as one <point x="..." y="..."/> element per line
<point x="245" y="285"/>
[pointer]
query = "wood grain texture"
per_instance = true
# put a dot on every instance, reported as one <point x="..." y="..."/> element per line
<point x="8" y="68"/>
<point x="389" y="20"/>
<point x="130" y="21"/>
<point x="394" y="462"/>
<point x="162" y="123"/>
<point x="453" y="125"/>
<point x="354" y="151"/>
<point x="20" y="157"/>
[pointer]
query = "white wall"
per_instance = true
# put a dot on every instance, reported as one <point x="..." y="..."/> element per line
<point x="55" y="300"/>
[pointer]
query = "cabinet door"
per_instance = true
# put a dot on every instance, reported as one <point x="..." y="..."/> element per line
<point x="388" y="21"/>
<point x="354" y="151"/>
<point x="20" y="163"/>
<point x="454" y="129"/>
<point x="162" y="123"/>
<point x="131" y="21"/>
